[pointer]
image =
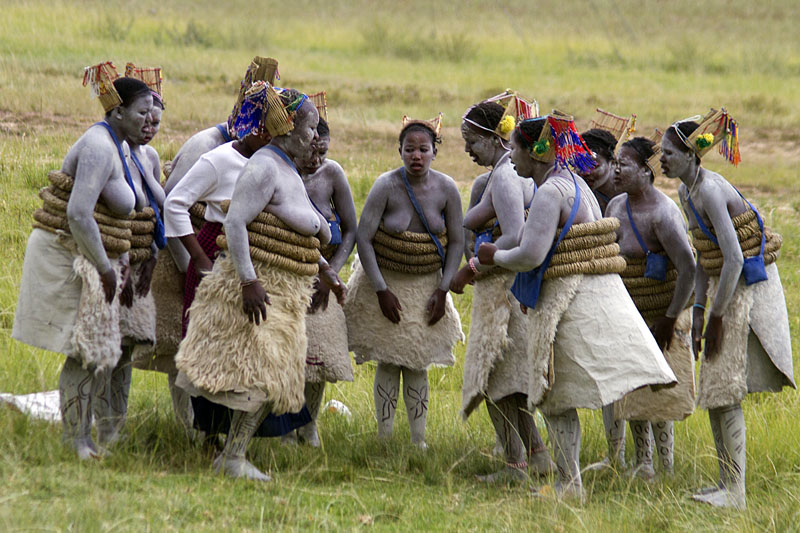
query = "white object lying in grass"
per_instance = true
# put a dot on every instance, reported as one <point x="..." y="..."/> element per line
<point x="335" y="406"/>
<point x="42" y="405"/>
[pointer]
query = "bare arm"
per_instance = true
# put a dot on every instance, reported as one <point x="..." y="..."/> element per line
<point x="469" y="237"/>
<point x="252" y="193"/>
<point x="346" y="209"/>
<point x="671" y="233"/>
<point x="455" y="234"/>
<point x="371" y="216"/>
<point x="537" y="235"/>
<point x="716" y="208"/>
<point x="91" y="175"/>
<point x="509" y="207"/>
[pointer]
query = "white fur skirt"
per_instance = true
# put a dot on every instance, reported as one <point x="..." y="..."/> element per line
<point x="412" y="343"/>
<point x="756" y="350"/>
<point x="62" y="306"/>
<point x="496" y="360"/>
<point x="225" y="355"/>
<point x="673" y="403"/>
<point x="328" y="358"/>
<point x="601" y="347"/>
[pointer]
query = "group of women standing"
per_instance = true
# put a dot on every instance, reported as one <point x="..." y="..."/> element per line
<point x="582" y="280"/>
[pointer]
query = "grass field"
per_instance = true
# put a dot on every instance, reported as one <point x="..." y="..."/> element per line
<point x="379" y="60"/>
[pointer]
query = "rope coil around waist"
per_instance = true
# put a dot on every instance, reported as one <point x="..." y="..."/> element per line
<point x="651" y="297"/>
<point x="142" y="227"/>
<point x="115" y="231"/>
<point x="328" y="251"/>
<point x="197" y="215"/>
<point x="588" y="248"/>
<point x="748" y="234"/>
<point x="274" y="243"/>
<point x="407" y="252"/>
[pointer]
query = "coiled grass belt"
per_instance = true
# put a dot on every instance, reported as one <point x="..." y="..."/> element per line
<point x="651" y="296"/>
<point x="115" y="231"/>
<point x="142" y="227"/>
<point x="407" y="252"/>
<point x="749" y="235"/>
<point x="588" y="248"/>
<point x="276" y="244"/>
<point x="197" y="214"/>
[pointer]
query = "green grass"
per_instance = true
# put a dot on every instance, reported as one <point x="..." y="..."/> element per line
<point x="379" y="60"/>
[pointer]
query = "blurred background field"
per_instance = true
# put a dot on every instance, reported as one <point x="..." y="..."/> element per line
<point x="379" y="60"/>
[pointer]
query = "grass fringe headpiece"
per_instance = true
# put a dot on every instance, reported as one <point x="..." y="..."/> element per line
<point x="320" y="100"/>
<point x="621" y="128"/>
<point x="263" y="111"/>
<point x="260" y="69"/>
<point x="653" y="162"/>
<point x="717" y="127"/>
<point x="100" y="79"/>
<point x="434" y="124"/>
<point x="560" y="142"/>
<point x="150" y="76"/>
<point x="516" y="109"/>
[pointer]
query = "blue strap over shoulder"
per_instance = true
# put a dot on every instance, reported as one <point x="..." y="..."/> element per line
<point x="418" y="209"/>
<point x="224" y="131"/>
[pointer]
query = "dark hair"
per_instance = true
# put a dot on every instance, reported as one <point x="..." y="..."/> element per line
<point x="529" y="129"/>
<point x="129" y="89"/>
<point x="487" y="114"/>
<point x="686" y="128"/>
<point x="601" y="142"/>
<point x="322" y="128"/>
<point x="288" y="96"/>
<point x="644" y="150"/>
<point x="416" y="126"/>
<point x="157" y="100"/>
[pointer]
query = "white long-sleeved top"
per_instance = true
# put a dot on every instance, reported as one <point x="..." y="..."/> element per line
<point x="210" y="180"/>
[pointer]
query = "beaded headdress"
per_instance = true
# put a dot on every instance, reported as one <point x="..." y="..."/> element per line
<point x="516" y="108"/>
<point x="260" y="69"/>
<point x="717" y="127"/>
<point x="434" y="124"/>
<point x="559" y="141"/>
<point x="101" y="80"/>
<point x="150" y="76"/>
<point x="263" y="111"/>
<point x="653" y="161"/>
<point x="320" y="100"/>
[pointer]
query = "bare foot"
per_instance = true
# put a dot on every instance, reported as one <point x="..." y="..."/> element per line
<point x="239" y="467"/>
<point x="507" y="476"/>
<point x="540" y="464"/>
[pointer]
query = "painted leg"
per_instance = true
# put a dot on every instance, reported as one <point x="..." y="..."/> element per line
<point x="181" y="405"/>
<point x="75" y="390"/>
<point x="505" y="419"/>
<point x="386" y="388"/>
<point x="415" y="396"/>
<point x="733" y="433"/>
<point x="539" y="461"/>
<point x="232" y="461"/>
<point x="565" y="435"/>
<point x="722" y="455"/>
<point x="314" y="393"/>
<point x="110" y="405"/>
<point x="664" y="436"/>
<point x="643" y="444"/>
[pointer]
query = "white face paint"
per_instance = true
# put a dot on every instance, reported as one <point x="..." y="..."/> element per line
<point x="674" y="161"/>
<point x="417" y="152"/>
<point x="153" y="123"/>
<point x="299" y="141"/>
<point x="132" y="119"/>
<point x="630" y="176"/>
<point x="480" y="147"/>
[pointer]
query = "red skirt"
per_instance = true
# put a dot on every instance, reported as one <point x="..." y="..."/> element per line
<point x="207" y="237"/>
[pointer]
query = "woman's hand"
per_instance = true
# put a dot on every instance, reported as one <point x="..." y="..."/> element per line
<point x="713" y="336"/>
<point x="662" y="330"/>
<point x="436" y="306"/>
<point x="126" y="296"/>
<point x="465" y="276"/>
<point x="698" y="321"/>
<point x="145" y="276"/>
<point x="255" y="301"/>
<point x="486" y="253"/>
<point x="320" y="297"/>
<point x="329" y="278"/>
<point x="390" y="305"/>
<point x="109" y="281"/>
<point x="202" y="265"/>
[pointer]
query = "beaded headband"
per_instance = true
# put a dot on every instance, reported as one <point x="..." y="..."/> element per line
<point x="559" y="142"/>
<point x="516" y="108"/>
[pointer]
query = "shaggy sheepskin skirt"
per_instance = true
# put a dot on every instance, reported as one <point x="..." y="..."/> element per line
<point x="137" y="323"/>
<point x="756" y="350"/>
<point x="412" y="343"/>
<point x="328" y="357"/>
<point x="231" y="361"/>
<point x="673" y="403"/>
<point x="589" y="346"/>
<point x="62" y="305"/>
<point x="496" y="361"/>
